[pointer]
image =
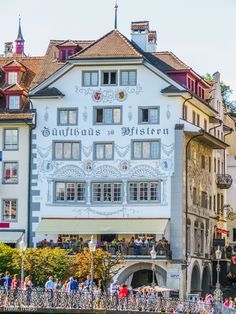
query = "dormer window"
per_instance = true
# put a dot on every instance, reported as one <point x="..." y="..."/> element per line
<point x="14" y="103"/>
<point x="12" y="78"/>
<point x="65" y="53"/>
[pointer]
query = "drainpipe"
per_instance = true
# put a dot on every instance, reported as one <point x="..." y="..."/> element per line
<point x="201" y="133"/>
<point x="184" y="104"/>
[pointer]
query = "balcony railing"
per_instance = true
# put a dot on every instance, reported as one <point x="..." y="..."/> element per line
<point x="129" y="250"/>
<point x="224" y="181"/>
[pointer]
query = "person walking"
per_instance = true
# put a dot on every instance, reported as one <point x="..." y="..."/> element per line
<point x="122" y="296"/>
<point x="49" y="288"/>
<point x="28" y="287"/>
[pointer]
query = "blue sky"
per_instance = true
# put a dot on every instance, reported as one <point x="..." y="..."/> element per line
<point x="202" y="33"/>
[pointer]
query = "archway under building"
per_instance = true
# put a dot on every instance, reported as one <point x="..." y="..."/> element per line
<point x="196" y="279"/>
<point x="141" y="274"/>
<point x="206" y="281"/>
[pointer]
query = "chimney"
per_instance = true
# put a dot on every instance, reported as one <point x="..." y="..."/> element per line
<point x="8" y="50"/>
<point x="142" y="37"/>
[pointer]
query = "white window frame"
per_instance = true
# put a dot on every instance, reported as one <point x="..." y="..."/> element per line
<point x="13" y="179"/>
<point x="66" y="183"/>
<point x="142" y="143"/>
<point x="104" y="150"/>
<point x="109" y="78"/>
<point x="10" y="208"/>
<point x="139" y="198"/>
<point x="102" y="185"/>
<point x="14" y="102"/>
<point x="107" y="108"/>
<point x="149" y="109"/>
<point x="67" y="110"/>
<point x="63" y="150"/>
<point x="12" y="78"/>
<point x="10" y="146"/>
<point x="90" y="78"/>
<point x="129" y="83"/>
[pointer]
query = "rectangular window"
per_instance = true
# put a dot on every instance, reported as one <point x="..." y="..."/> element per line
<point x="194" y="196"/>
<point x="198" y="120"/>
<point x="218" y="166"/>
<point x="128" y="78"/>
<point x="12" y="78"/>
<point x="149" y="115"/>
<point x="10" y="139"/>
<point x="205" y="125"/>
<point x="108" y="115"/>
<point x="14" y="102"/>
<point x="103" y="151"/>
<point x="109" y="77"/>
<point x="194" y="117"/>
<point x="209" y="164"/>
<point x="90" y="78"/>
<point x="70" y="192"/>
<point x="106" y="192"/>
<point x="214" y="203"/>
<point x="10" y="172"/>
<point x="67" y="116"/>
<point x="203" y="162"/>
<point x="144" y="192"/>
<point x="210" y="202"/>
<point x="146" y="149"/>
<point x="185" y="112"/>
<point x="215" y="165"/>
<point x="10" y="210"/>
<point x="234" y="234"/>
<point x="204" y="200"/>
<point x="67" y="150"/>
<point x="218" y="203"/>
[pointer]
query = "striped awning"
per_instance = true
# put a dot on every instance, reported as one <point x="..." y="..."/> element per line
<point x="102" y="226"/>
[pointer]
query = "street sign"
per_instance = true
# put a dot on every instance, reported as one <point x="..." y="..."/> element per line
<point x="219" y="242"/>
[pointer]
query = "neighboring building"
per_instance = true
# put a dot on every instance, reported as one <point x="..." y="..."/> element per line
<point x="17" y="118"/>
<point x="109" y="156"/>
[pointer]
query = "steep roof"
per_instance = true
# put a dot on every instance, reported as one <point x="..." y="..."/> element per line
<point x="111" y="45"/>
<point x="50" y="63"/>
<point x="171" y="59"/>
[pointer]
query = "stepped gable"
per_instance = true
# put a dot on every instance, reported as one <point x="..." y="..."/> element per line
<point x="111" y="45"/>
<point x="51" y="64"/>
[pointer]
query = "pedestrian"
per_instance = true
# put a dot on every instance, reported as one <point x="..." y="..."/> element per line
<point x="123" y="295"/>
<point x="114" y="289"/>
<point x="2" y="281"/>
<point x="49" y="288"/>
<point x="15" y="285"/>
<point x="28" y="287"/>
<point x="8" y="280"/>
<point x="87" y="282"/>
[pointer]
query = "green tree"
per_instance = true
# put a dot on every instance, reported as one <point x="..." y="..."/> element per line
<point x="105" y="265"/>
<point x="7" y="256"/>
<point x="41" y="263"/>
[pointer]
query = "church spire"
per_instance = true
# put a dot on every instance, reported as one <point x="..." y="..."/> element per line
<point x="19" y="41"/>
<point x="116" y="7"/>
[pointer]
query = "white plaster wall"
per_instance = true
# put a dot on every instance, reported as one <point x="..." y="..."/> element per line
<point x="146" y="93"/>
<point x="17" y="191"/>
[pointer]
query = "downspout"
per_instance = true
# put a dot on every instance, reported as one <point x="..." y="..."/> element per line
<point x="201" y="133"/>
<point x="184" y="104"/>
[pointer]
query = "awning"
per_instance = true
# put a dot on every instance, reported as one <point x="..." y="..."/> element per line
<point x="10" y="237"/>
<point x="220" y="230"/>
<point x="101" y="226"/>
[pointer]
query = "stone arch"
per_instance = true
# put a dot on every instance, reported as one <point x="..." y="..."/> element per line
<point x="196" y="278"/>
<point x="206" y="280"/>
<point x="106" y="172"/>
<point x="143" y="171"/>
<point x="69" y="172"/>
<point x="160" y="273"/>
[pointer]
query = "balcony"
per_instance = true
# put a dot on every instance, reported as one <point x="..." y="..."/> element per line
<point x="130" y="251"/>
<point x="224" y="181"/>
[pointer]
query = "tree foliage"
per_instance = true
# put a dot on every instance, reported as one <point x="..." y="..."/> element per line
<point x="7" y="256"/>
<point x="105" y="266"/>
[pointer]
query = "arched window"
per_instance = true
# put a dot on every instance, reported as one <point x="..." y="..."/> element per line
<point x="196" y="242"/>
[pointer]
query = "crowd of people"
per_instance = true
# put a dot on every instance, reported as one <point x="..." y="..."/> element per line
<point x="86" y="294"/>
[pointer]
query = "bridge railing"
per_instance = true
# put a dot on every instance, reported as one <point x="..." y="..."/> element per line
<point x="21" y="300"/>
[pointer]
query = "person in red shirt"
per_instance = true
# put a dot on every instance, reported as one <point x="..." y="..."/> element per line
<point x="123" y="295"/>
